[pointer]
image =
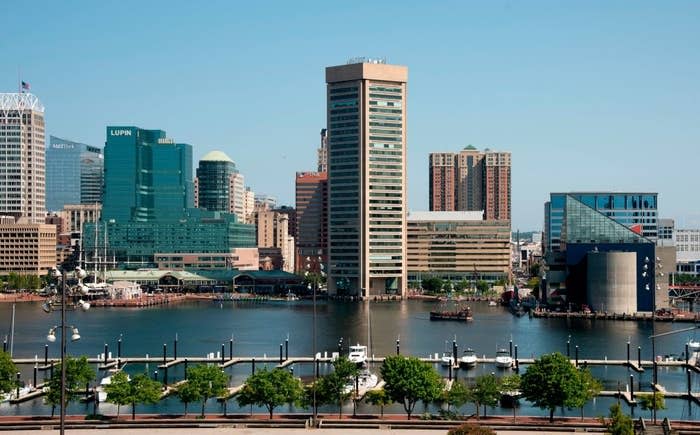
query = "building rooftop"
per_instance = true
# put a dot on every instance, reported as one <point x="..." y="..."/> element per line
<point x="445" y="216"/>
<point x="216" y="156"/>
<point x="23" y="101"/>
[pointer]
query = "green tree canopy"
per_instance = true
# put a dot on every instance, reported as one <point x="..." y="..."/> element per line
<point x="586" y="389"/>
<point x="118" y="390"/>
<point x="618" y="422"/>
<point x="646" y="401"/>
<point x="332" y="387"/>
<point x="78" y="374"/>
<point x="209" y="380"/>
<point x="270" y="388"/>
<point x="143" y="389"/>
<point x="482" y="286"/>
<point x="409" y="380"/>
<point x="432" y="284"/>
<point x="8" y="373"/>
<point x="379" y="398"/>
<point x="551" y="381"/>
<point x="486" y="391"/>
<point x="457" y="395"/>
<point x="188" y="392"/>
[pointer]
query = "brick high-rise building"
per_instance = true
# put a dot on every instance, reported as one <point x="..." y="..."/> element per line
<point x="471" y="180"/>
<point x="312" y="221"/>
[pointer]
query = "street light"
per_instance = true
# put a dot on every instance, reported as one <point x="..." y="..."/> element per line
<point x="657" y="267"/>
<point x="55" y="304"/>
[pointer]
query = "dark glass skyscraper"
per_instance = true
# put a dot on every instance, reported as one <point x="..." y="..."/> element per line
<point x="74" y="173"/>
<point x="148" y="177"/>
<point x="214" y="176"/>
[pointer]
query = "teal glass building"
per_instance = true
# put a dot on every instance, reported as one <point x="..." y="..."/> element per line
<point x="214" y="176"/>
<point x="148" y="177"/>
<point x="149" y="204"/>
<point x="73" y="173"/>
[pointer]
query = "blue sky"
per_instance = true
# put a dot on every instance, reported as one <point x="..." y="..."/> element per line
<point x="587" y="95"/>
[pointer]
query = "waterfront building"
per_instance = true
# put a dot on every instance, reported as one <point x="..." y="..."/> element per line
<point x="322" y="153"/>
<point x="272" y="231"/>
<point x="366" y="110"/>
<point x="23" y="150"/>
<point x="237" y="258"/>
<point x="74" y="173"/>
<point x="442" y="182"/>
<point x="471" y="180"/>
<point x="636" y="210"/>
<point x="148" y="177"/>
<point x="219" y="186"/>
<point x="456" y="246"/>
<point x="312" y="216"/>
<point x="604" y="263"/>
<point x="687" y="245"/>
<point x="27" y="249"/>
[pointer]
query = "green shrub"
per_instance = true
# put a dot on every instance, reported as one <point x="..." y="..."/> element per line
<point x="471" y="429"/>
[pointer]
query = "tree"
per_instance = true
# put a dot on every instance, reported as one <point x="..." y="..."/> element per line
<point x="8" y="373"/>
<point x="270" y="388"/>
<point x="188" y="392"/>
<point x="118" y="390"/>
<point x="409" y="380"/>
<point x="511" y="385"/>
<point x="462" y="285"/>
<point x="618" y="423"/>
<point x="333" y="387"/>
<point x="482" y="286"/>
<point x="78" y="374"/>
<point x="457" y="395"/>
<point x="646" y="401"/>
<point x="551" y="381"/>
<point x="378" y="398"/>
<point x="485" y="391"/>
<point x="535" y="269"/>
<point x="586" y="389"/>
<point x="143" y="389"/>
<point x="209" y="381"/>
<point x="432" y="284"/>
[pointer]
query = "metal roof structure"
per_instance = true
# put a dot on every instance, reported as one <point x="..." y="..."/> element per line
<point x="216" y="156"/>
<point x="23" y="101"/>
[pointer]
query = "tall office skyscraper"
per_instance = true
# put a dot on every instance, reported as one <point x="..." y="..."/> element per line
<point x="366" y="110"/>
<point x="219" y="185"/>
<point x="312" y="217"/>
<point x="471" y="180"/>
<point x="22" y="158"/>
<point x="74" y="173"/>
<point x="148" y="177"/>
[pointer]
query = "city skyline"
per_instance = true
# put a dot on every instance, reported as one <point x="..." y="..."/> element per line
<point x="581" y="107"/>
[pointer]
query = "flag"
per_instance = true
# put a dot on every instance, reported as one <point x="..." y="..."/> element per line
<point x="25" y="86"/>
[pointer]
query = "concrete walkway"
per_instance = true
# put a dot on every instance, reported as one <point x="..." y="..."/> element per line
<point x="263" y="431"/>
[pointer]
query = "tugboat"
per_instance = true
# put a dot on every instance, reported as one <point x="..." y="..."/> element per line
<point x="468" y="360"/>
<point x="463" y="314"/>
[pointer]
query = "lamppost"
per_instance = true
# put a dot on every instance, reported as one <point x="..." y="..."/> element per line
<point x="314" y="289"/>
<point x="61" y="304"/>
<point x="658" y="273"/>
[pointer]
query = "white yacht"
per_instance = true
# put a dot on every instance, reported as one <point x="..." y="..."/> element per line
<point x="693" y="345"/>
<point x="468" y="359"/>
<point x="366" y="380"/>
<point x="447" y="359"/>
<point x="101" y="392"/>
<point x="358" y="354"/>
<point x="503" y="359"/>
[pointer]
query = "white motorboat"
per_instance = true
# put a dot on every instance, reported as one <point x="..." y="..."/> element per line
<point x="366" y="380"/>
<point x="13" y="394"/>
<point x="693" y="345"/>
<point x="468" y="359"/>
<point x="493" y="304"/>
<point x="101" y="391"/>
<point x="447" y="359"/>
<point x="358" y="354"/>
<point x="292" y="297"/>
<point x="503" y="359"/>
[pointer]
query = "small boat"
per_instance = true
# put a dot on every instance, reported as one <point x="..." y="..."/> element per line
<point x="101" y="391"/>
<point x="447" y="359"/>
<point x="292" y="297"/>
<point x="493" y="304"/>
<point x="468" y="359"/>
<point x="503" y="359"/>
<point x="463" y="314"/>
<point x="12" y="395"/>
<point x="366" y="380"/>
<point x="358" y="354"/>
<point x="693" y="345"/>
<point x="510" y="399"/>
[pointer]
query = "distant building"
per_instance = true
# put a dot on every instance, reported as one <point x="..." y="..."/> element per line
<point x="635" y="210"/>
<point x="264" y="200"/>
<point x="23" y="150"/>
<point x="471" y="180"/>
<point x="219" y="185"/>
<point x="249" y="205"/>
<point x="323" y="152"/>
<point x="312" y="217"/>
<point x="457" y="245"/>
<point x="292" y="224"/>
<point x="666" y="231"/>
<point x="238" y="258"/>
<point x="272" y="229"/>
<point x="74" y="174"/>
<point x="687" y="244"/>
<point x="27" y="249"/>
<point x="366" y="109"/>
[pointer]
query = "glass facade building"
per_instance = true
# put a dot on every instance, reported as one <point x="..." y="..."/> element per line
<point x="74" y="174"/>
<point x="214" y="182"/>
<point x="148" y="177"/>
<point x="636" y="211"/>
